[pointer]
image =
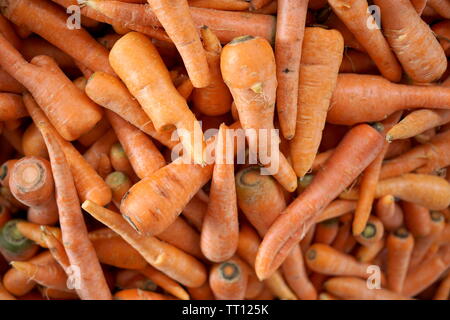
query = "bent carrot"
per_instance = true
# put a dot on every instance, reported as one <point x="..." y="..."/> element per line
<point x="165" y="282"/>
<point x="164" y="257"/>
<point x="81" y="46"/>
<point x="214" y="99"/>
<point x="336" y="209"/>
<point x="291" y="226"/>
<point x="11" y="107"/>
<point x="321" y="54"/>
<point x="409" y="36"/>
<point x="356" y="16"/>
<point x="400" y="244"/>
<point x="291" y="16"/>
<point x="367" y="98"/>
<point x="228" y="280"/>
<point x="152" y="86"/>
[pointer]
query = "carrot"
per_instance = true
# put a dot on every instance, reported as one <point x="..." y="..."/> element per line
<point x="417" y="219"/>
<point x="150" y="89"/>
<point x="369" y="252"/>
<point x="355" y="61"/>
<point x="201" y="293"/>
<point x="419" y="5"/>
<point x="88" y="183"/>
<point x="138" y="294"/>
<point x="430" y="191"/>
<point x="37" y="233"/>
<point x="228" y="280"/>
<point x="33" y="144"/>
<point x="104" y="166"/>
<point x="215" y="99"/>
<point x="5" y="171"/>
<point x="291" y="226"/>
<point x="4" y="294"/>
<point x="5" y="215"/>
<point x="442" y="30"/>
<point x="398" y="147"/>
<point x="356" y="16"/>
<point x="143" y="155"/>
<point x="390" y="213"/>
<point x="14" y="138"/>
<point x="120" y="161"/>
<point x="326" y="231"/>
<point x="443" y="291"/>
<point x="220" y="230"/>
<point x="234" y="5"/>
<point x="408" y="36"/>
<point x="336" y="209"/>
<point x="399" y="245"/>
<point x="372" y="232"/>
<point x="119" y="184"/>
<point x="291" y="18"/>
<point x="53" y="294"/>
<point x="90" y="137"/>
<point x="11" y="107"/>
<point x="165" y="282"/>
<point x="9" y="84"/>
<point x="364" y="98"/>
<point x="164" y="257"/>
<point x="81" y="47"/>
<point x="353" y="288"/>
<point x="306" y="242"/>
<point x="334" y="22"/>
<point x="101" y="146"/>
<point x="270" y="8"/>
<point x="445" y="235"/>
<point x="254" y="286"/>
<point x="13" y="245"/>
<point x="326" y="260"/>
<point x="423" y="244"/>
<point x="74" y="233"/>
<point x="314" y="93"/>
<point x="7" y="30"/>
<point x="442" y="7"/>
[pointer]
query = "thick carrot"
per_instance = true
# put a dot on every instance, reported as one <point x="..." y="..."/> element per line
<point x="228" y="280"/>
<point x="291" y="18"/>
<point x="399" y="246"/>
<point x="33" y="144"/>
<point x="356" y="16"/>
<point x="366" y="98"/>
<point x="442" y="7"/>
<point x="138" y="294"/>
<point x="351" y="288"/>
<point x="13" y="245"/>
<point x="423" y="244"/>
<point x="410" y="37"/>
<point x="50" y="23"/>
<point x="11" y="107"/>
<point x="165" y="282"/>
<point x="220" y="230"/>
<point x="291" y="226"/>
<point x="417" y="219"/>
<point x="233" y="5"/>
<point x="139" y="65"/>
<point x="89" y="184"/>
<point x="321" y="54"/>
<point x="143" y="155"/>
<point x="215" y="99"/>
<point x="227" y="25"/>
<point x="164" y="257"/>
<point x="101" y="146"/>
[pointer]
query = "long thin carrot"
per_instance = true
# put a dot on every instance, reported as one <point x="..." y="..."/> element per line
<point x="408" y="35"/>
<point x="165" y="282"/>
<point x="153" y="88"/>
<point x="399" y="245"/>
<point x="52" y="27"/>
<point x="367" y="98"/>
<point x="89" y="184"/>
<point x="164" y="257"/>
<point x="220" y="230"/>
<point x="144" y="157"/>
<point x="291" y="18"/>
<point x="291" y="226"/>
<point x="321" y="54"/>
<point x="228" y="280"/>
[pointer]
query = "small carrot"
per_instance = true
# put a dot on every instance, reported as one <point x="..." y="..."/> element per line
<point x="291" y="16"/>
<point x="13" y="245"/>
<point x="138" y="294"/>
<point x="356" y="289"/>
<point x="400" y="244"/>
<point x="423" y="244"/>
<point x="228" y="280"/>
<point x="88" y="183"/>
<point x="326" y="231"/>
<point x="314" y="93"/>
<point x="165" y="282"/>
<point x="215" y="99"/>
<point x="143" y="155"/>
<point x="33" y="144"/>
<point x="369" y="252"/>
<point x="11" y="107"/>
<point x="164" y="257"/>
<point x="417" y="219"/>
<point x="356" y="16"/>
<point x="291" y="226"/>
<point x="101" y="146"/>
<point x="151" y="85"/>
<point x="389" y="212"/>
<point x="220" y="230"/>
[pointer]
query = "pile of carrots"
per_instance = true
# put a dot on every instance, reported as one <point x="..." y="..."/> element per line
<point x="94" y="204"/>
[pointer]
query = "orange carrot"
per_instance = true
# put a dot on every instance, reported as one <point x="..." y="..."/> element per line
<point x="138" y="294"/>
<point x="291" y="226"/>
<point x="89" y="184"/>
<point x="5" y="171"/>
<point x="369" y="252"/>
<point x="364" y="98"/>
<point x="164" y="257"/>
<point x="234" y="5"/>
<point x="417" y="219"/>
<point x="326" y="231"/>
<point x="336" y="209"/>
<point x="357" y="62"/>
<point x="4" y="294"/>
<point x="356" y="289"/>
<point x="90" y="137"/>
<point x="9" y="84"/>
<point x="228" y="280"/>
<point x="119" y="184"/>
<point x="399" y="245"/>
<point x="390" y="213"/>
<point x="220" y="231"/>
<point x="7" y="30"/>
<point x="443" y="292"/>
<point x="13" y="245"/>
<point x="372" y="232"/>
<point x="81" y="46"/>
<point x="11" y="107"/>
<point x="314" y="93"/>
<point x="201" y="293"/>
<point x="442" y="30"/>
<point x="143" y="155"/>
<point x="165" y="282"/>
<point x="101" y="146"/>
<point x="33" y="144"/>
<point x="288" y="51"/>
<point x="419" y="5"/>
<point x="215" y="99"/>
<point x="442" y="7"/>
<point x="425" y="136"/>
<point x="356" y="16"/>
<point x="151" y="87"/>
<point x="410" y="37"/>
<point x="120" y="161"/>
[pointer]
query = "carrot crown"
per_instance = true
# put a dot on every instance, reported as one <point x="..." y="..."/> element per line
<point x="401" y="233"/>
<point x="230" y="271"/>
<point x="369" y="231"/>
<point x="311" y="254"/>
<point x="436" y="216"/>
<point x="12" y="240"/>
<point x="116" y="179"/>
